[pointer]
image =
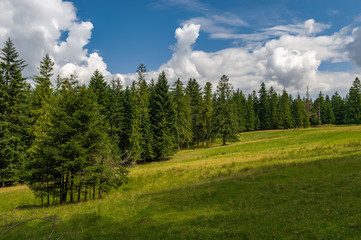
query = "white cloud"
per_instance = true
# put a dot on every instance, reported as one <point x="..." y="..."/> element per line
<point x="36" y="27"/>
<point x="283" y="56"/>
<point x="290" y="61"/>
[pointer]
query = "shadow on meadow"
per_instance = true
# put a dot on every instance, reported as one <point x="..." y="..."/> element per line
<point x="314" y="200"/>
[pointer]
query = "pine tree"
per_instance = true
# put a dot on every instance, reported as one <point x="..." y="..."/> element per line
<point x="224" y="115"/>
<point x="116" y="113"/>
<point x="42" y="101"/>
<point x="273" y="102"/>
<point x="354" y="102"/>
<point x="99" y="86"/>
<point x="145" y="125"/>
<point x="183" y="114"/>
<point x="319" y="110"/>
<point x="329" y="117"/>
<point x="194" y="91"/>
<point x="308" y="104"/>
<point x="256" y="103"/>
<point x="77" y="154"/>
<point x="14" y="115"/>
<point x="284" y="113"/>
<point x="249" y="115"/>
<point x="163" y="119"/>
<point x="338" y="108"/>
<point x="299" y="113"/>
<point x="207" y="111"/>
<point x="240" y="103"/>
<point x="264" y="111"/>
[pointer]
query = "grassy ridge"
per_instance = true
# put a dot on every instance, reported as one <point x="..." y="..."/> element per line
<point x="293" y="184"/>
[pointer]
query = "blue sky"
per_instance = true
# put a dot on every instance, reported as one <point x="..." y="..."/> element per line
<point x="142" y="31"/>
<point x="286" y="44"/>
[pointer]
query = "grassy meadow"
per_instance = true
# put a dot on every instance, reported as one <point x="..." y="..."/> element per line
<point x="281" y="184"/>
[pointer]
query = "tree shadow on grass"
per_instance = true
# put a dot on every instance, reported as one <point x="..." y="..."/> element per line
<point x="313" y="200"/>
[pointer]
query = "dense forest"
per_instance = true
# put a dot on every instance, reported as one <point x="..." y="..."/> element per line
<point x="70" y="142"/>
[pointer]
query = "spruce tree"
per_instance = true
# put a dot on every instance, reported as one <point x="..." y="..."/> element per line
<point x="183" y="114"/>
<point x="249" y="114"/>
<point x="354" y="102"/>
<point x="163" y="119"/>
<point x="195" y="97"/>
<point x="14" y="115"/>
<point x="207" y="111"/>
<point x="264" y="111"/>
<point x="240" y="102"/>
<point x="224" y="115"/>
<point x="299" y="113"/>
<point x="338" y="108"/>
<point x="329" y="117"/>
<point x="273" y="102"/>
<point x="284" y="112"/>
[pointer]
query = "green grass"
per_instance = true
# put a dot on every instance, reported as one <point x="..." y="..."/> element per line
<point x="284" y="184"/>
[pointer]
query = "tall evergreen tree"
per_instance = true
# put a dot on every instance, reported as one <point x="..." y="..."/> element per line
<point x="250" y="114"/>
<point x="207" y="111"/>
<point x="329" y="117"/>
<point x="299" y="113"/>
<point x="354" y="102"/>
<point x="338" y="108"/>
<point x="240" y="103"/>
<point x="273" y="102"/>
<point x="14" y="120"/>
<point x="284" y="112"/>
<point x="224" y="116"/>
<point x="264" y="111"/>
<point x="163" y="119"/>
<point x="183" y="114"/>
<point x="195" y="97"/>
<point x="308" y="104"/>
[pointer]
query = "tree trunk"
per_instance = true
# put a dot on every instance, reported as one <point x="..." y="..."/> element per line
<point x="47" y="189"/>
<point x="85" y="192"/>
<point x="94" y="191"/>
<point x="100" y="191"/>
<point x="79" y="192"/>
<point x="65" y="193"/>
<point x="72" y="188"/>
<point x="224" y="140"/>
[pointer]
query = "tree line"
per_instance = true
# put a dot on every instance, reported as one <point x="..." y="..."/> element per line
<point x="70" y="142"/>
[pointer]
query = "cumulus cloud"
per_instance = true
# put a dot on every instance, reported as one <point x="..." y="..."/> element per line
<point x="282" y="56"/>
<point x="36" y="27"/>
<point x="291" y="60"/>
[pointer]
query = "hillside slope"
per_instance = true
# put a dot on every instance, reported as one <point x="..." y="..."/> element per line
<point x="284" y="184"/>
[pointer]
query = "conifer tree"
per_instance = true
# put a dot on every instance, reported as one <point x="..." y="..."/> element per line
<point x="42" y="102"/>
<point x="116" y="112"/>
<point x="145" y="125"/>
<point x="354" y="102"/>
<point x="299" y="113"/>
<point x="240" y="103"/>
<point x="207" y="111"/>
<point x="195" y="97"/>
<point x="284" y="112"/>
<point x="273" y="102"/>
<point x="163" y="119"/>
<point x="224" y="116"/>
<point x="183" y="114"/>
<point x="308" y="104"/>
<point x="329" y="117"/>
<point x="264" y="111"/>
<point x="338" y="108"/>
<point x="249" y="114"/>
<point x="319" y="110"/>
<point x="99" y="86"/>
<point x="14" y="120"/>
